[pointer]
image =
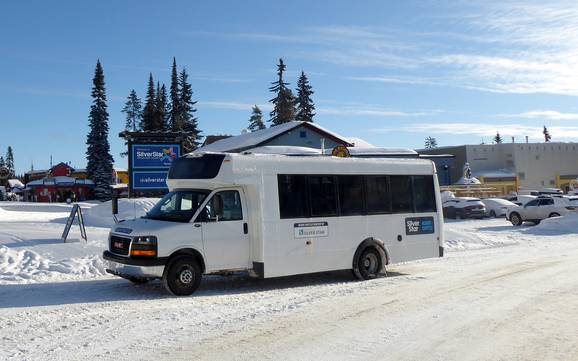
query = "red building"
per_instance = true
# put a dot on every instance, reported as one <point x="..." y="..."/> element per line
<point x="59" y="184"/>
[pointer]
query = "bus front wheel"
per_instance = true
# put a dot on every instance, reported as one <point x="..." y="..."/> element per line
<point x="183" y="276"/>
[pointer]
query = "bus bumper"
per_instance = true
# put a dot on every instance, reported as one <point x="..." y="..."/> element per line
<point x="134" y="268"/>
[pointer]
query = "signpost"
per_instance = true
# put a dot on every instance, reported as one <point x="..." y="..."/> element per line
<point x="76" y="210"/>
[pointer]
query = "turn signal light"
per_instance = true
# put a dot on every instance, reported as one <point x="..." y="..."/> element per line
<point x="143" y="253"/>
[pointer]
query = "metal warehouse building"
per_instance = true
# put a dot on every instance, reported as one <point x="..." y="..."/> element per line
<point x="512" y="166"/>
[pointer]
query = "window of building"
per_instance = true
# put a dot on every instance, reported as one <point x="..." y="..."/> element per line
<point x="323" y="197"/>
<point x="293" y="196"/>
<point x="302" y="134"/>
<point x="377" y="195"/>
<point x="350" y="195"/>
<point x="401" y="200"/>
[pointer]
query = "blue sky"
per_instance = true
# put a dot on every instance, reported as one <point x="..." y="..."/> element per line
<point x="390" y="72"/>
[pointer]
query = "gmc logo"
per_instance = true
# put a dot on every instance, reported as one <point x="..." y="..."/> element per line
<point x="118" y="244"/>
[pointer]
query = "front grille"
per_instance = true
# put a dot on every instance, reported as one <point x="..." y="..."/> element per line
<point x="119" y="245"/>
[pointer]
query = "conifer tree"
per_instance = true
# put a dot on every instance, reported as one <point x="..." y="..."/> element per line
<point x="166" y="111"/>
<point x="498" y="138"/>
<point x="2" y="162"/>
<point x="133" y="110"/>
<point x="10" y="162"/>
<point x="256" y="120"/>
<point x="305" y="106"/>
<point x="148" y="117"/>
<point x="284" y="101"/>
<point x="547" y="135"/>
<point x="99" y="159"/>
<point x="175" y="113"/>
<point x="187" y="121"/>
<point x="160" y="107"/>
<point x="430" y="143"/>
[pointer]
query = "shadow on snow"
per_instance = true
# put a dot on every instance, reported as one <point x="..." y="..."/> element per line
<point x="112" y="290"/>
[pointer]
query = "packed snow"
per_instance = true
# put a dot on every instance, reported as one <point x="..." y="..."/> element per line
<point x="500" y="293"/>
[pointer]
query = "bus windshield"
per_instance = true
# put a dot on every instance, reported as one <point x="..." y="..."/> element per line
<point x="178" y="206"/>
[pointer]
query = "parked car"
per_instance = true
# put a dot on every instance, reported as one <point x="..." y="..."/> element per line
<point x="537" y="210"/>
<point x="463" y="207"/>
<point x="521" y="200"/>
<point x="497" y="207"/>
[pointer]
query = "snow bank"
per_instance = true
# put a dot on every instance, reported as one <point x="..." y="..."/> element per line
<point x="23" y="266"/>
<point x="556" y="226"/>
<point x="100" y="215"/>
<point x="479" y="234"/>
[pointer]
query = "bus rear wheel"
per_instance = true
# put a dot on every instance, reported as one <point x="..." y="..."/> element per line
<point x="183" y="276"/>
<point x="369" y="264"/>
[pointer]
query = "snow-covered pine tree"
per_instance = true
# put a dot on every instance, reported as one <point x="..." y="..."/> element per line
<point x="305" y="106"/>
<point x="2" y="161"/>
<point x="498" y="138"/>
<point x="133" y="110"/>
<point x="175" y="113"/>
<point x="547" y="136"/>
<point x="148" y="116"/>
<point x="430" y="143"/>
<point x="188" y="122"/>
<point x="164" y="100"/>
<point x="99" y="159"/>
<point x="284" y="101"/>
<point x="256" y="120"/>
<point x="10" y="162"/>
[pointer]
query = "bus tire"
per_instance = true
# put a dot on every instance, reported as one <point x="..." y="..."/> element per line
<point x="183" y="276"/>
<point x="554" y="215"/>
<point x="369" y="264"/>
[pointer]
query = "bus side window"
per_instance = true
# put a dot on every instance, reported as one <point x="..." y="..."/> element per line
<point x="423" y="193"/>
<point x="293" y="196"/>
<point x="402" y="198"/>
<point x="224" y="206"/>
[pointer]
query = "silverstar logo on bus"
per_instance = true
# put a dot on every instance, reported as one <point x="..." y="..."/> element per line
<point x="419" y="225"/>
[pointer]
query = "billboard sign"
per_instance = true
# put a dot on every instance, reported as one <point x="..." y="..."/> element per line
<point x="143" y="180"/>
<point x="154" y="156"/>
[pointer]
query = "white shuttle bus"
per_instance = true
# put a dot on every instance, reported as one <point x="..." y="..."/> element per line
<point x="275" y="215"/>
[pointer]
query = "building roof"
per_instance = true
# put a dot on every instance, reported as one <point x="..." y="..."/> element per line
<point x="210" y="139"/>
<point x="261" y="137"/>
<point x="59" y="181"/>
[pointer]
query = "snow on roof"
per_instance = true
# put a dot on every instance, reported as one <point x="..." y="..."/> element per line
<point x="360" y="143"/>
<point x="464" y="180"/>
<point x="375" y="151"/>
<point x="15" y="183"/>
<point x="61" y="181"/>
<point x="119" y="169"/>
<point x="283" y="149"/>
<point x="248" y="140"/>
<point x="37" y="171"/>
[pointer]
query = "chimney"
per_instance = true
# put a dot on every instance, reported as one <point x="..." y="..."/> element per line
<point x="526" y="139"/>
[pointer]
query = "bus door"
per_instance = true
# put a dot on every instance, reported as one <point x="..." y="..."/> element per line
<point x="225" y="231"/>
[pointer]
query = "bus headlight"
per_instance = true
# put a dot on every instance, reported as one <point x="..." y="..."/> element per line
<point x="144" y="246"/>
<point x="149" y="240"/>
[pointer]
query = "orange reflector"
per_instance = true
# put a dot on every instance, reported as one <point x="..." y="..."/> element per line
<point x="141" y="253"/>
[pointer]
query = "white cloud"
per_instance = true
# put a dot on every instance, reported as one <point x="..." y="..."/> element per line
<point x="542" y="114"/>
<point x="485" y="130"/>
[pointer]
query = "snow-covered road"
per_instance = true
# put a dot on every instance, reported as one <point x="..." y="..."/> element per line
<point x="518" y="301"/>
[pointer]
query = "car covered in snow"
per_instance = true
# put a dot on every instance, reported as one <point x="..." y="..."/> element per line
<point x="538" y="209"/>
<point x="463" y="207"/>
<point x="497" y="207"/>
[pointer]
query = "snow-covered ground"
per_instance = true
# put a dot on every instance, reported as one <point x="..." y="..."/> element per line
<point x="501" y="293"/>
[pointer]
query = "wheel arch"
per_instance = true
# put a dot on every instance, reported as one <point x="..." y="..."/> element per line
<point x="188" y="252"/>
<point x="375" y="243"/>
